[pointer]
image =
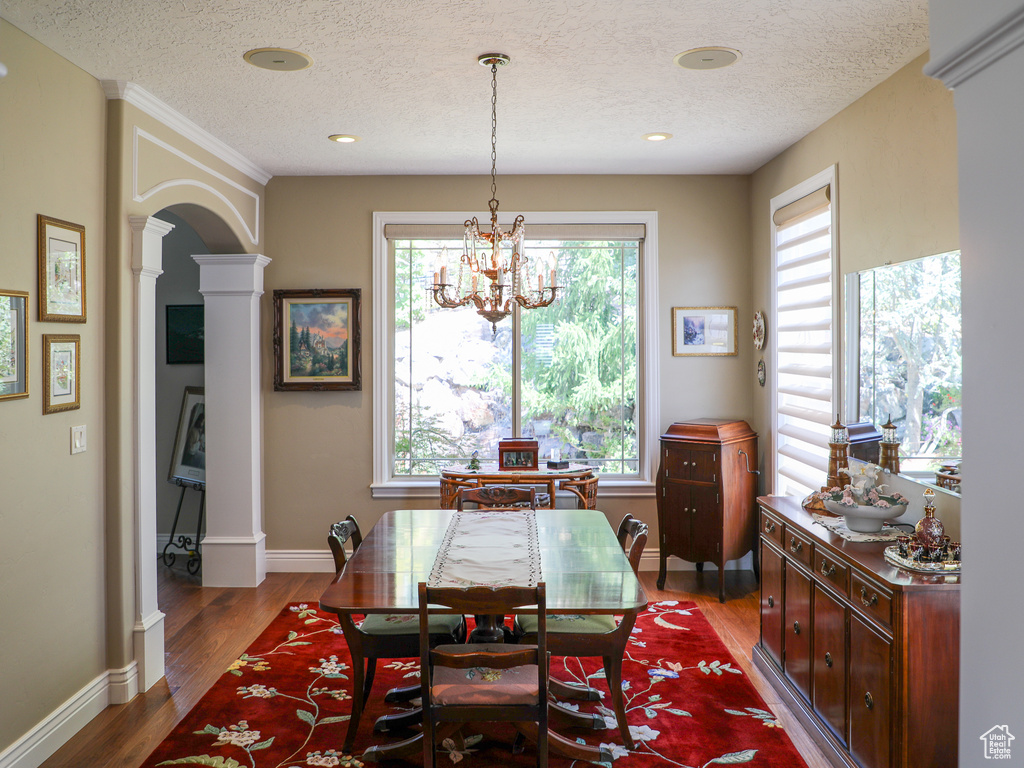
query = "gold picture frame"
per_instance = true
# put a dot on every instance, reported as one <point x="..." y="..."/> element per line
<point x="13" y="344"/>
<point x="61" y="372"/>
<point x="704" y="331"/>
<point x="61" y="246"/>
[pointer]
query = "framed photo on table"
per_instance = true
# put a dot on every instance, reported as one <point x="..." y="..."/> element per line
<point x="61" y="247"/>
<point x="188" y="461"/>
<point x="703" y="331"/>
<point x="517" y="453"/>
<point x="61" y="366"/>
<point x="317" y="340"/>
<point x="13" y="345"/>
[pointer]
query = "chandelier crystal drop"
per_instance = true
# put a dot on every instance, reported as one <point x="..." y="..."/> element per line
<point x="493" y="273"/>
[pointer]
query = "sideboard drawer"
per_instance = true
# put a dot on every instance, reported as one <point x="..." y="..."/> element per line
<point x="798" y="547"/>
<point x="871" y="598"/>
<point x="771" y="528"/>
<point x="832" y="571"/>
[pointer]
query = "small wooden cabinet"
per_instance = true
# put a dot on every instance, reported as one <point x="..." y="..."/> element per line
<point x="865" y="654"/>
<point x="706" y="490"/>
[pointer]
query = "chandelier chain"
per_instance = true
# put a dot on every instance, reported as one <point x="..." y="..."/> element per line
<point x="494" y="131"/>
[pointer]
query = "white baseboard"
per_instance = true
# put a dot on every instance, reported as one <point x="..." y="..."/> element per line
<point x="32" y="749"/>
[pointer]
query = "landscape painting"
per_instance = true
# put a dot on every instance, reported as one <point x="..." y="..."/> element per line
<point x="703" y="331"/>
<point x="316" y="339"/>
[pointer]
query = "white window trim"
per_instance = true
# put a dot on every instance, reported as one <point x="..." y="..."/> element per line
<point x="829" y="177"/>
<point x="388" y="487"/>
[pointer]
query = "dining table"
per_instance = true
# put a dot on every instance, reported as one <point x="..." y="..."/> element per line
<point x="575" y="552"/>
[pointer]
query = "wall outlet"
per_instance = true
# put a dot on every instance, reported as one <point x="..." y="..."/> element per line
<point x="78" y="439"/>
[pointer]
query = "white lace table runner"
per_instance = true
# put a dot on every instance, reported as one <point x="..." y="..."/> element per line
<point x="838" y="526"/>
<point x="492" y="548"/>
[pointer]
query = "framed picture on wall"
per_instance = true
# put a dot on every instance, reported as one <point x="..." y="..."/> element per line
<point x="188" y="460"/>
<point x="61" y="246"/>
<point x="317" y="340"/>
<point x="184" y="334"/>
<point x="703" y="331"/>
<point x="61" y="365"/>
<point x="13" y="345"/>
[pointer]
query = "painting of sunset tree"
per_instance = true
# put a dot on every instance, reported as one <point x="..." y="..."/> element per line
<point x="317" y="333"/>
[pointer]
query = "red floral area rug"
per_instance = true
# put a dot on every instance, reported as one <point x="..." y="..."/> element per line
<point x="285" y="703"/>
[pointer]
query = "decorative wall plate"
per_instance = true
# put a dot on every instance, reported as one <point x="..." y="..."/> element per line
<point x="759" y="329"/>
<point x="761" y="374"/>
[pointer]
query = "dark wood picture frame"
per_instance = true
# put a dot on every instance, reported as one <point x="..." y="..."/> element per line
<point x="317" y="337"/>
<point x="517" y="453"/>
<point x="184" y="334"/>
<point x="61" y="253"/>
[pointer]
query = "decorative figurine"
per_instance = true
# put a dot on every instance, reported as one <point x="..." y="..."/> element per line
<point x="474" y="461"/>
<point x="929" y="528"/>
<point x="890" y="447"/>
<point x="838" y="459"/>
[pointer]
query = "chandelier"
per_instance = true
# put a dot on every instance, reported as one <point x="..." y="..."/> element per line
<point x="493" y="273"/>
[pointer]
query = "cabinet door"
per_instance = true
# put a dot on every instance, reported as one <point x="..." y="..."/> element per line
<point x="771" y="603"/>
<point x="829" y="664"/>
<point x="706" y="531"/>
<point x="797" y="629"/>
<point x="870" y="702"/>
<point x="675" y="520"/>
<point x="704" y="465"/>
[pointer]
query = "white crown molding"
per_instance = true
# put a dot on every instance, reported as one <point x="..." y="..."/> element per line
<point x="980" y="52"/>
<point x="152" y="106"/>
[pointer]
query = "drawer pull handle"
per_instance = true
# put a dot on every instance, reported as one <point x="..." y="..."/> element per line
<point x="828" y="570"/>
<point x="796" y="627"/>
<point x="828" y="660"/>
<point x="868" y="701"/>
<point x="868" y="602"/>
<point x="769" y="526"/>
<point x="771" y="601"/>
<point x="795" y="546"/>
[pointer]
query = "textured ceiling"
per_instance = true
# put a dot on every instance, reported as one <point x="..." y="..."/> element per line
<point x="588" y="77"/>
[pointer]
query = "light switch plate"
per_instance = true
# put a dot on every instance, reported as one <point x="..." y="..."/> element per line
<point x="78" y="439"/>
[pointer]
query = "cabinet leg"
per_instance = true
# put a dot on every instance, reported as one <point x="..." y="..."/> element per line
<point x="700" y="566"/>
<point x="757" y="564"/>
<point x="721" y="583"/>
<point x="662" y="572"/>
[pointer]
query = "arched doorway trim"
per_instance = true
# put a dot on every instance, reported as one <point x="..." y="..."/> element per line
<point x="147" y="266"/>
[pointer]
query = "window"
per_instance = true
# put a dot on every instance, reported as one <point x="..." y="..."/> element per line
<point x="571" y="375"/>
<point x="905" y="356"/>
<point x="804" y="257"/>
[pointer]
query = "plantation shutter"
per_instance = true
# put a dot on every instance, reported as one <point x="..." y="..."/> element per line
<point x="803" y="342"/>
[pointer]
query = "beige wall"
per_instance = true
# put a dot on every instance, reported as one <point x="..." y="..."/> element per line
<point x="895" y="149"/>
<point x="317" y="444"/>
<point x="51" y="503"/>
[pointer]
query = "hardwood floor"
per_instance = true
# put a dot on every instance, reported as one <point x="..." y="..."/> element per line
<point x="206" y="629"/>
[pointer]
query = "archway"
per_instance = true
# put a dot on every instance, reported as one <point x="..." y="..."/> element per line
<point x="231" y="285"/>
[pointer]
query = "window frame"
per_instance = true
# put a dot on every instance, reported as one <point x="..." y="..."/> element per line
<point x="829" y="178"/>
<point x="385" y="484"/>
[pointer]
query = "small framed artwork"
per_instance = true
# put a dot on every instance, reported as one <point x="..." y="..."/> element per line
<point x="703" y="331"/>
<point x="188" y="461"/>
<point x="517" y="454"/>
<point x="61" y="365"/>
<point x="317" y="339"/>
<point x="13" y="345"/>
<point x="61" y="271"/>
<point x="184" y="334"/>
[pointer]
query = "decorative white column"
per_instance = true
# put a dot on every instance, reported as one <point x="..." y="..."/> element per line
<point x="148" y="632"/>
<point x="234" y="548"/>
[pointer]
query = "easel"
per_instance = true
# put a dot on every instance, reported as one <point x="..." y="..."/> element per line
<point x="186" y="543"/>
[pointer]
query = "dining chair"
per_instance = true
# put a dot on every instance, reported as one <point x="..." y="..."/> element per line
<point x="595" y="634"/>
<point x="483" y="682"/>
<point x="585" y="491"/>
<point x="499" y="497"/>
<point x="380" y="636"/>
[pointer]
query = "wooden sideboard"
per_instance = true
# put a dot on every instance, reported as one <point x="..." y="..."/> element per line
<point x="706" y="489"/>
<point x="864" y="653"/>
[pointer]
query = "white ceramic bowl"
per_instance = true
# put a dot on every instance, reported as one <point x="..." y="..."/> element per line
<point x="864" y="518"/>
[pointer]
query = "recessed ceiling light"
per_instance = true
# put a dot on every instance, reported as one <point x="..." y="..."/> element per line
<point x="343" y="138"/>
<point x="707" y="58"/>
<point x="656" y="136"/>
<point x="278" y="59"/>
